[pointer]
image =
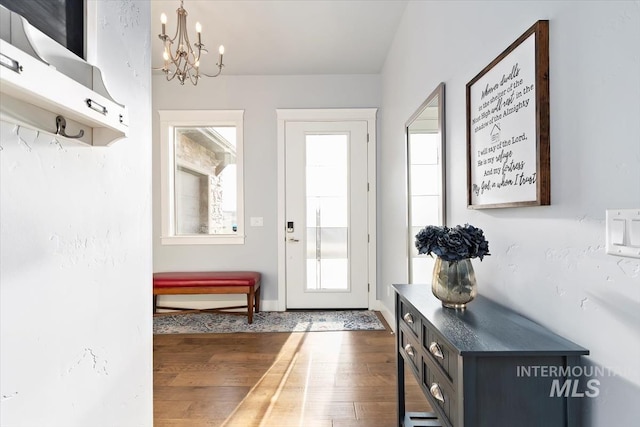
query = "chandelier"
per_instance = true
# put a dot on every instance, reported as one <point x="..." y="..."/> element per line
<point x="181" y="60"/>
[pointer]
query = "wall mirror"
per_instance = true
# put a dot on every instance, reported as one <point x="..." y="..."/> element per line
<point x="425" y="138"/>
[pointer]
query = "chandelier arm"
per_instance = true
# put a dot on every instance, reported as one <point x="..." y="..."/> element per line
<point x="213" y="75"/>
<point x="186" y="45"/>
<point x="180" y="35"/>
<point x="192" y="59"/>
<point x="172" y="39"/>
<point x="188" y="74"/>
<point x="220" y="67"/>
<point x="167" y="48"/>
<point x="193" y="79"/>
<point x="182" y="72"/>
<point x="173" y="75"/>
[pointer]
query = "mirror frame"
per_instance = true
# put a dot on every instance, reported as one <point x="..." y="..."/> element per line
<point x="439" y="94"/>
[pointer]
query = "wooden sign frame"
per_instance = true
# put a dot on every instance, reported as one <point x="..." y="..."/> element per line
<point x="508" y="153"/>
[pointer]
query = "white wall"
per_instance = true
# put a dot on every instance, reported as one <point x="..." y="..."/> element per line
<point x="548" y="263"/>
<point x="259" y="96"/>
<point x="75" y="253"/>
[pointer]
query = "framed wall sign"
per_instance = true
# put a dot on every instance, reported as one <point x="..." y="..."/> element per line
<point x="508" y="161"/>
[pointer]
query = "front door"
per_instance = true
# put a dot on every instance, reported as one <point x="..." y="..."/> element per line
<point x="326" y="193"/>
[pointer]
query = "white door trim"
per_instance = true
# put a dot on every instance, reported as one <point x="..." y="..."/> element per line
<point x="327" y="115"/>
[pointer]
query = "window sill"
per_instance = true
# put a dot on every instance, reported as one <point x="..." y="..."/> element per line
<point x="202" y="240"/>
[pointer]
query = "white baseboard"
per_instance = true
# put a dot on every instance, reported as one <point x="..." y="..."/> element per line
<point x="388" y="316"/>
<point x="217" y="301"/>
<point x="269" y="305"/>
<point x="211" y="301"/>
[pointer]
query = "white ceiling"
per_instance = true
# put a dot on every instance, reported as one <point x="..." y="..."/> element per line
<point x="287" y="37"/>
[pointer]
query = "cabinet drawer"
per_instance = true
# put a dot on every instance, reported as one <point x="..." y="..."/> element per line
<point x="441" y="394"/>
<point x="409" y="317"/>
<point x="440" y="352"/>
<point x="410" y="349"/>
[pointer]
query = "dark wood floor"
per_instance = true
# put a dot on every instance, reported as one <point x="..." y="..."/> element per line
<point x="314" y="379"/>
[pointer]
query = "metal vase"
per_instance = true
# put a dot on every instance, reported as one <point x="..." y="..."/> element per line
<point x="454" y="282"/>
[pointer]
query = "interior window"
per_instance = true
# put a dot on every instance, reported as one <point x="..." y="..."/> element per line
<point x="202" y="173"/>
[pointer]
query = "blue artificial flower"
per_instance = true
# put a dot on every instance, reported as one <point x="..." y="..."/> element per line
<point x="452" y="244"/>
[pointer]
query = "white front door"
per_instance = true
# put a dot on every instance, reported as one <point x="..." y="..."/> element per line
<point x="326" y="214"/>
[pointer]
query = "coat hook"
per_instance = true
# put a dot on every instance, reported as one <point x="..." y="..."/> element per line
<point x="61" y="124"/>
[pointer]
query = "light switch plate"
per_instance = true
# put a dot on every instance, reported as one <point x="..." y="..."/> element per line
<point x="623" y="232"/>
<point x="257" y="221"/>
<point x="617" y="231"/>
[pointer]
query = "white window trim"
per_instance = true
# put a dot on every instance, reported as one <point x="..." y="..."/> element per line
<point x="169" y="119"/>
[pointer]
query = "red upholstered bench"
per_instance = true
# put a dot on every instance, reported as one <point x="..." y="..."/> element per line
<point x="209" y="282"/>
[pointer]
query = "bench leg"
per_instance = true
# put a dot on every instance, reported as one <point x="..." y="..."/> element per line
<point x="250" y="301"/>
<point x="257" y="299"/>
<point x="155" y="304"/>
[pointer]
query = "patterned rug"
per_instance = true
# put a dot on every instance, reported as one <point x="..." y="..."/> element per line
<point x="268" y="321"/>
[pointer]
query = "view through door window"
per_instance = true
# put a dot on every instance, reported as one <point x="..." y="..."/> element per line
<point x="327" y="184"/>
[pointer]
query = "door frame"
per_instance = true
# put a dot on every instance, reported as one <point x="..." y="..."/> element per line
<point x="327" y="115"/>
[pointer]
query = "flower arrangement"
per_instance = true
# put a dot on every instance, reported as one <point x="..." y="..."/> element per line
<point x="452" y="244"/>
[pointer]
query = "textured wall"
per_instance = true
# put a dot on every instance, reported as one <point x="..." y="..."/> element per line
<point x="75" y="257"/>
<point x="548" y="263"/>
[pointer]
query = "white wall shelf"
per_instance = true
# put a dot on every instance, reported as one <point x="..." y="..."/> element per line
<point x="34" y="90"/>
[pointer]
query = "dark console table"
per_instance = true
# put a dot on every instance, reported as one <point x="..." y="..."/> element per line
<point x="485" y="366"/>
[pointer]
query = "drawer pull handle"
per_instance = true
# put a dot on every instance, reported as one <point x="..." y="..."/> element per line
<point x="408" y="318"/>
<point x="10" y="63"/>
<point x="436" y="392"/>
<point x="434" y="348"/>
<point x="95" y="106"/>
<point x="409" y="350"/>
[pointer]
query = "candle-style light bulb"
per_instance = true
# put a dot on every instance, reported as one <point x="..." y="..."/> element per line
<point x="165" y="56"/>
<point x="199" y="31"/>
<point x="220" y="64"/>
<point x="163" y="20"/>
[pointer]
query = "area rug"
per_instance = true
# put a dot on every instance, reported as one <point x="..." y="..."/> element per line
<point x="268" y="321"/>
